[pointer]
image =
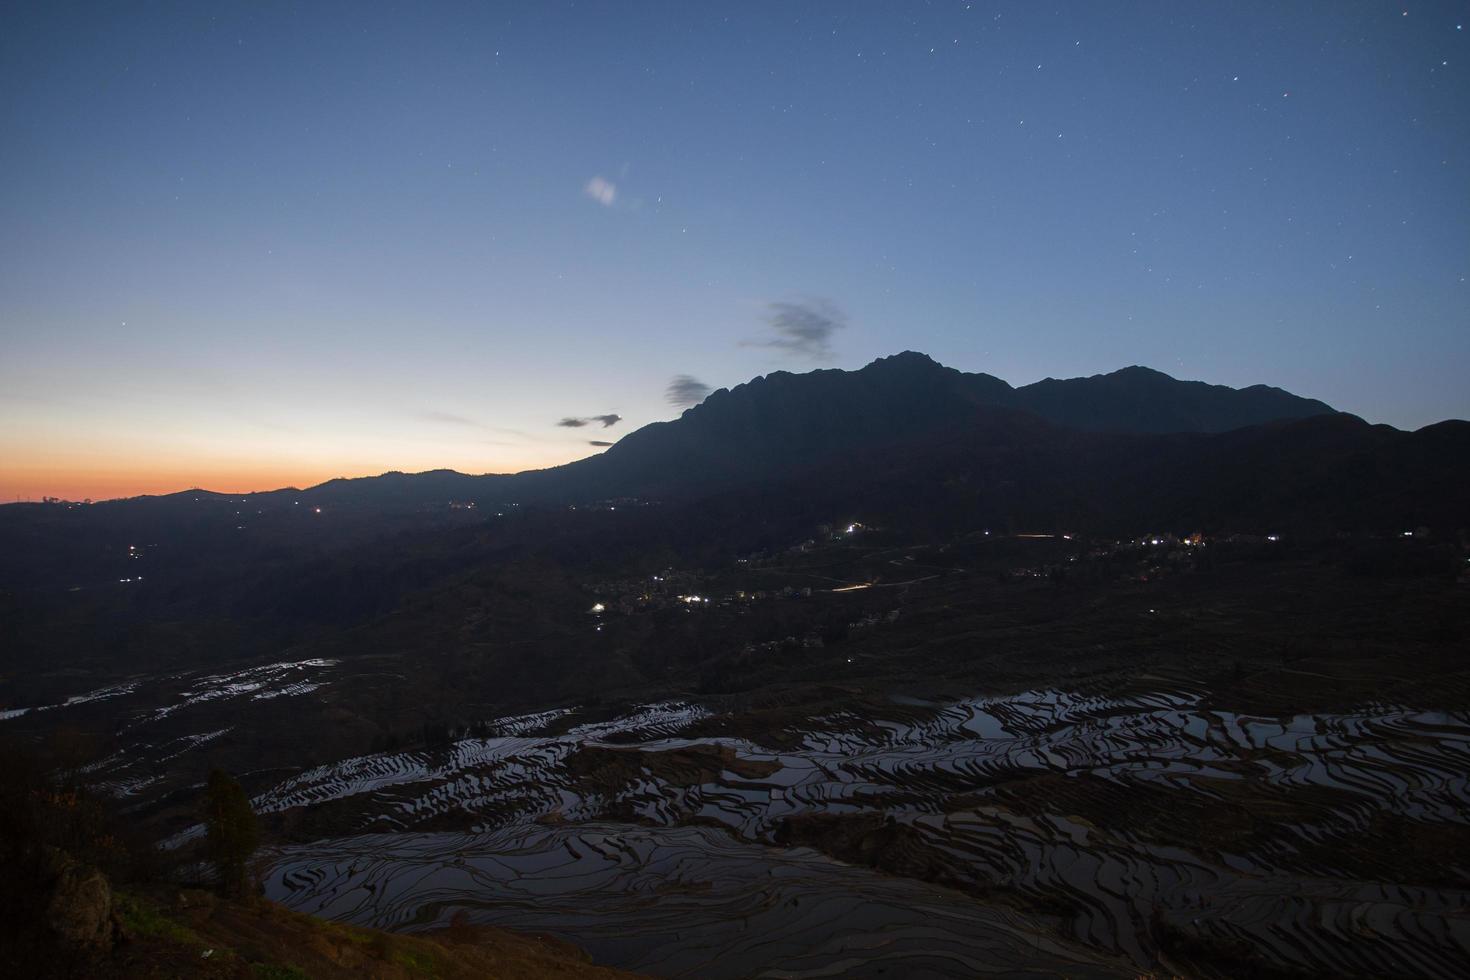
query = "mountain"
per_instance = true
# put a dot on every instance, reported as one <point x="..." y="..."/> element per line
<point x="775" y="426"/>
<point x="1140" y="399"/>
<point x="913" y="440"/>
<point x="783" y="423"/>
<point x="1311" y="477"/>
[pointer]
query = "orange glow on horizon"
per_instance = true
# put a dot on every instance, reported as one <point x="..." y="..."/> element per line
<point x="118" y="480"/>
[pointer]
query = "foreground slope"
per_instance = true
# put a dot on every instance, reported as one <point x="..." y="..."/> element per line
<point x="194" y="934"/>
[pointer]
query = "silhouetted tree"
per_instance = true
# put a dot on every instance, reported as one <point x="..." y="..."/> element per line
<point x="232" y="829"/>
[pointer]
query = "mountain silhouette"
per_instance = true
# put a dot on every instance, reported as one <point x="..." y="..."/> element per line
<point x="904" y="441"/>
<point x="783" y="423"/>
<point x="911" y="438"/>
<point x="908" y="435"/>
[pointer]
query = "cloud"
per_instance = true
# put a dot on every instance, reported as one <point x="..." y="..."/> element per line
<point x="447" y="418"/>
<point x="597" y="442"/>
<point x="576" y="422"/>
<point x="601" y="190"/>
<point x="803" y="328"/>
<point x="684" y="391"/>
<point x="451" y="419"/>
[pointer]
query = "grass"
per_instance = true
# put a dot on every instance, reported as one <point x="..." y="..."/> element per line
<point x="274" y="971"/>
<point x="418" y="961"/>
<point x="144" y="919"/>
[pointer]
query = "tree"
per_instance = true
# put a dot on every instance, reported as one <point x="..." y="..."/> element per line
<point x="233" y="833"/>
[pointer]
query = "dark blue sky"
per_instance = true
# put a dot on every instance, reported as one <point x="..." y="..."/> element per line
<point x="251" y="244"/>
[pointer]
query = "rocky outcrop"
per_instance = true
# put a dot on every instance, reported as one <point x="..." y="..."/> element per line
<point x="78" y="902"/>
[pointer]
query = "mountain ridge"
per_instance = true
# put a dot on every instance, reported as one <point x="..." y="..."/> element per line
<point x="788" y="419"/>
<point x="781" y="423"/>
<point x="920" y="441"/>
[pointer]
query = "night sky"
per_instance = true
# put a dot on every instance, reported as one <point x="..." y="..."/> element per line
<point x="251" y="245"/>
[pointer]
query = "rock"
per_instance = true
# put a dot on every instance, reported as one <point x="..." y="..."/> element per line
<point x="78" y="902"/>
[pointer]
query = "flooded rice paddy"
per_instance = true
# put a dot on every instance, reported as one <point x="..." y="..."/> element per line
<point x="1099" y="834"/>
<point x="676" y="901"/>
<point x="1044" y="833"/>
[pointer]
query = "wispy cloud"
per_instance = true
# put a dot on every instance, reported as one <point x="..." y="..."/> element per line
<point x="597" y="442"/>
<point x="577" y="421"/>
<point x="601" y="190"/>
<point x="804" y="328"/>
<point x="449" y="418"/>
<point x="685" y="390"/>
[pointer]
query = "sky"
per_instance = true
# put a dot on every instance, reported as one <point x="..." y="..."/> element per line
<point x="252" y="245"/>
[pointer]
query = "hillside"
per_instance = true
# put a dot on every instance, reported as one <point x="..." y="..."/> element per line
<point x="190" y="933"/>
<point x="86" y="895"/>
